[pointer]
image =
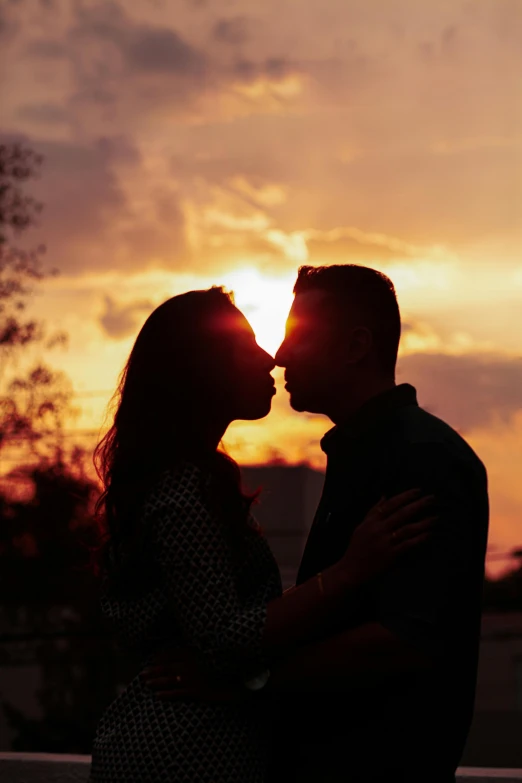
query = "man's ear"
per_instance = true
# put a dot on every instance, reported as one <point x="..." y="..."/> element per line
<point x="359" y="345"/>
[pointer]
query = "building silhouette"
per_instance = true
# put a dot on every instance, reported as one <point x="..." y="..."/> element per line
<point x="289" y="495"/>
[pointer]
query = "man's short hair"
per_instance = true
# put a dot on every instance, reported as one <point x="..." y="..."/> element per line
<point x="367" y="291"/>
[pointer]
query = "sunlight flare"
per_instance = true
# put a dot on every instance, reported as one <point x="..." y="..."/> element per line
<point x="265" y="301"/>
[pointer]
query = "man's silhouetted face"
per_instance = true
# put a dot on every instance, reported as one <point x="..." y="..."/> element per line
<point x="309" y="352"/>
<point x="324" y="352"/>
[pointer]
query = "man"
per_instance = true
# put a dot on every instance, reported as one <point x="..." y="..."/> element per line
<point x="339" y="356"/>
<point x="387" y="694"/>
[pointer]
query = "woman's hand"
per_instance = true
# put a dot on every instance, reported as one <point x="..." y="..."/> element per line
<point x="177" y="674"/>
<point x="391" y="528"/>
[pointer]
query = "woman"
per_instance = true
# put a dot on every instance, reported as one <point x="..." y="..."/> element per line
<point x="184" y="565"/>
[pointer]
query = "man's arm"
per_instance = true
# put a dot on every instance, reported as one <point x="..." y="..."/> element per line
<point x="356" y="657"/>
<point x="417" y="602"/>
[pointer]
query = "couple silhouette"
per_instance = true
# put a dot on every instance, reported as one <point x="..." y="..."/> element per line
<point x="365" y="670"/>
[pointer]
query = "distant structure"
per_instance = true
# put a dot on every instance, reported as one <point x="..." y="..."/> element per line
<point x="285" y="510"/>
<point x="496" y="734"/>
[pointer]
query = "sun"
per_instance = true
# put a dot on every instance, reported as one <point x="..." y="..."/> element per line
<point x="265" y="301"/>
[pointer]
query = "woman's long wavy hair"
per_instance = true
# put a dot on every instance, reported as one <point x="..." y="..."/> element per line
<point x="164" y="394"/>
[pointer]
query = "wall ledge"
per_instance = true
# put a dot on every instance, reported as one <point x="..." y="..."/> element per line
<point x="65" y="768"/>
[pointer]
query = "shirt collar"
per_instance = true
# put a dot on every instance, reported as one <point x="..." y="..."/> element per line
<point x="369" y="413"/>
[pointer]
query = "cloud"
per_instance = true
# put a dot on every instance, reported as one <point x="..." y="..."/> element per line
<point x="351" y="244"/>
<point x="235" y="249"/>
<point x="46" y="49"/>
<point x="9" y="25"/>
<point x="233" y="30"/>
<point x="125" y="71"/>
<point x="43" y="113"/>
<point x="470" y="391"/>
<point x="163" y="51"/>
<point x="444" y="46"/>
<point x="122" y="68"/>
<point x="101" y="212"/>
<point x="79" y="188"/>
<point x="121" y="320"/>
<point x="275" y="69"/>
<point x="370" y="138"/>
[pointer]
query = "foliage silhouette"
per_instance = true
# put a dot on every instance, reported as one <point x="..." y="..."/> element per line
<point x="49" y="615"/>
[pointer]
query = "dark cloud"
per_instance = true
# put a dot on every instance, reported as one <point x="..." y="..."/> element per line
<point x="43" y="113"/>
<point x="445" y="45"/>
<point x="163" y="50"/>
<point x="10" y="26"/>
<point x="46" y="49"/>
<point x="81" y="195"/>
<point x="90" y="221"/>
<point x="469" y="391"/>
<point x="124" y="70"/>
<point x="504" y="18"/>
<point x="234" y="30"/>
<point x="121" y="320"/>
<point x="449" y="38"/>
<point x="118" y="149"/>
<point x="274" y="68"/>
<point x="159" y="239"/>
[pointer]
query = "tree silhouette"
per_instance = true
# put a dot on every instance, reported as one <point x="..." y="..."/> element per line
<point x="51" y="605"/>
<point x="34" y="400"/>
<point x="49" y="613"/>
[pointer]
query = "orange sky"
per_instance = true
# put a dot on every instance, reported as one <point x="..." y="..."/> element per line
<point x="196" y="142"/>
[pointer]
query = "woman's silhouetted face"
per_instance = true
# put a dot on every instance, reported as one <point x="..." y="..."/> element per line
<point x="243" y="381"/>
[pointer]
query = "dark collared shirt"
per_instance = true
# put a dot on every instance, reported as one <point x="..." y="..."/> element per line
<point x="432" y="598"/>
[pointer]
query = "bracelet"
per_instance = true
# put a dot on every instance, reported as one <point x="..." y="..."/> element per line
<point x="320" y="584"/>
<point x="258" y="682"/>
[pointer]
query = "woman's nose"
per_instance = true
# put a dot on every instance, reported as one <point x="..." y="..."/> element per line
<point x="280" y="357"/>
<point x="269" y="361"/>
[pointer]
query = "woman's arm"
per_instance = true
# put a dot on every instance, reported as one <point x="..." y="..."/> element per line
<point x="195" y="559"/>
<point x="390" y="529"/>
<point x="194" y="555"/>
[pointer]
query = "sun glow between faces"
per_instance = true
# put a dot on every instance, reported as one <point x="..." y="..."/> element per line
<point x="265" y="302"/>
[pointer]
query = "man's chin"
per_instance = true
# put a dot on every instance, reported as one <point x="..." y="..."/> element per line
<point x="298" y="403"/>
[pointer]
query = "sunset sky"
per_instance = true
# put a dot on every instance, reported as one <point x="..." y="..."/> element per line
<point x="198" y="142"/>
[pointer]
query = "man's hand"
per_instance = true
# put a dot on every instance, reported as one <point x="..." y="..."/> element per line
<point x="178" y="675"/>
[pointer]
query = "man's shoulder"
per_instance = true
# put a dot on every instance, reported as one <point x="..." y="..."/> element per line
<point x="423" y="435"/>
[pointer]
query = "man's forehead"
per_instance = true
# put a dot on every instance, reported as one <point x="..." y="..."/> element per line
<point x="309" y="303"/>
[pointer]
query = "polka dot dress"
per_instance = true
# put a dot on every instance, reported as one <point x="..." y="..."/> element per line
<point x="197" y="594"/>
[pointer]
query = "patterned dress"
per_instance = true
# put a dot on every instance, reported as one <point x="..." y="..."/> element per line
<point x="197" y="595"/>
